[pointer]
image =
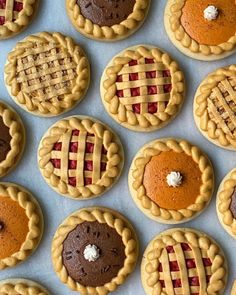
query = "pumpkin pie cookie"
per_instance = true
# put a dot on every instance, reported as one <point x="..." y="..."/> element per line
<point x="12" y="139"/>
<point x="215" y="107"/>
<point x="21" y="287"/>
<point x="94" y="250"/>
<point x="107" y="20"/>
<point x="47" y="74"/>
<point x="142" y="88"/>
<point x="171" y="180"/>
<point x="204" y="30"/>
<point x="183" y="261"/>
<point x="21" y="224"/>
<point x="80" y="157"/>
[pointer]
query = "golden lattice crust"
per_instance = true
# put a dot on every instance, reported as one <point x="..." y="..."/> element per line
<point x="34" y="214"/>
<point x="101" y="215"/>
<point x="47" y="74"/>
<point x="21" y="287"/>
<point x="138" y="191"/>
<point x="215" y="107"/>
<point x="17" y="132"/>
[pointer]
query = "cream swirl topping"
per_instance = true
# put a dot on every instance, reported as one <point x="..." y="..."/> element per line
<point x="91" y="253"/>
<point x="174" y="179"/>
<point x="211" y="12"/>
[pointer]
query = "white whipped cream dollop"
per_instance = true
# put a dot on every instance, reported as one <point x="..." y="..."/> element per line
<point x="211" y="12"/>
<point x="174" y="179"/>
<point x="91" y="253"/>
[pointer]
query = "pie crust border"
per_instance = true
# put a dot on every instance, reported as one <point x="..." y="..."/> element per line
<point x="17" y="131"/>
<point x="82" y="80"/>
<point x="139" y="122"/>
<point x="185" y="43"/>
<point x="106" y="33"/>
<point x="205" y="125"/>
<point x="114" y="220"/>
<point x="96" y="127"/>
<point x="33" y="212"/>
<point x="192" y="237"/>
<point x="149" y="207"/>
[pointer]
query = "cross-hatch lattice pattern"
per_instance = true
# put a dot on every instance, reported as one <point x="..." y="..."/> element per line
<point x="184" y="270"/>
<point x="9" y="10"/>
<point x="222" y="106"/>
<point x="79" y="158"/>
<point x="144" y="86"/>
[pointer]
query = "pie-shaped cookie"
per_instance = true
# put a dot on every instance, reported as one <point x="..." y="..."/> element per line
<point x="47" y="74"/>
<point x="171" y="180"/>
<point x="215" y="107"/>
<point x="204" y="30"/>
<point x="15" y="15"/>
<point x="142" y="88"/>
<point x="21" y="224"/>
<point x="12" y="138"/>
<point x="107" y="20"/>
<point x="183" y="261"/>
<point x="21" y="287"/>
<point x="80" y="157"/>
<point x="94" y="250"/>
<point x="226" y="203"/>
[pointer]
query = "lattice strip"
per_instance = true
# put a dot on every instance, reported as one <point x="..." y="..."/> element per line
<point x="97" y="155"/>
<point x="201" y="269"/>
<point x="142" y="68"/>
<point x="65" y="159"/>
<point x="167" y="273"/>
<point x="80" y="158"/>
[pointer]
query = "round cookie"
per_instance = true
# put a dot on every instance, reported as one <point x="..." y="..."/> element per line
<point x="202" y="30"/>
<point x="47" y="74"/>
<point x="12" y="139"/>
<point x="21" y="287"/>
<point x="21" y="224"/>
<point x="183" y="261"/>
<point x="83" y="140"/>
<point x="94" y="250"/>
<point x="107" y="20"/>
<point x="142" y="88"/>
<point x="171" y="180"/>
<point x="215" y="107"/>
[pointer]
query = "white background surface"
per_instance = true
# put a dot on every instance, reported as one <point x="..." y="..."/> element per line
<point x="52" y="17"/>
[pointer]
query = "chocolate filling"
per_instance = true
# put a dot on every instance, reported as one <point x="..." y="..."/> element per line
<point x="106" y="267"/>
<point x="5" y="139"/>
<point x="233" y="204"/>
<point x="106" y="12"/>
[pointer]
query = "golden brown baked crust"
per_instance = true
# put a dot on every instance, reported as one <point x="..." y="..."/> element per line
<point x="21" y="287"/>
<point x="101" y="215"/>
<point x="233" y="291"/>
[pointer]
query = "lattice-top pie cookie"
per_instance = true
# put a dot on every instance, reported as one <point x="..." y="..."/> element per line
<point x="47" y="74"/>
<point x="142" y="88"/>
<point x="21" y="287"/>
<point x="215" y="107"/>
<point x="183" y="261"/>
<point x="15" y="15"/>
<point x="80" y="157"/>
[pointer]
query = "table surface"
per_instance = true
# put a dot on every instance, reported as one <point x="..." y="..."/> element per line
<point x="52" y="17"/>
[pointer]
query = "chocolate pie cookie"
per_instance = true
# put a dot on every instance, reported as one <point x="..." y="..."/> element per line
<point x="94" y="250"/>
<point x="21" y="287"/>
<point x="107" y="20"/>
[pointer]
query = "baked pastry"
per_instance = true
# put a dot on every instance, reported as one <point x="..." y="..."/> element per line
<point x="107" y="20"/>
<point x="226" y="203"/>
<point x="21" y="224"/>
<point x="12" y="139"/>
<point x="171" y="180"/>
<point x="15" y="16"/>
<point x="142" y="88"/>
<point x="21" y="287"/>
<point x="94" y="250"/>
<point x="233" y="291"/>
<point x="86" y="141"/>
<point x="215" y="107"/>
<point x="204" y="30"/>
<point x="47" y="74"/>
<point x="183" y="261"/>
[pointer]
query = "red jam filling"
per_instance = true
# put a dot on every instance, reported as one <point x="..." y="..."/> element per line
<point x="18" y="6"/>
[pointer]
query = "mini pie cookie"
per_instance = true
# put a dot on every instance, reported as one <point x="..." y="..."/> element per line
<point x="183" y="261"/>
<point x="215" y="107"/>
<point x="86" y="141"/>
<point x="171" y="180"/>
<point x="226" y="203"/>
<point x="15" y="16"/>
<point x="47" y="74"/>
<point x="142" y="88"/>
<point x="21" y="287"/>
<point x="21" y="224"/>
<point x="94" y="250"/>
<point x="107" y="20"/>
<point x="204" y="30"/>
<point x="12" y="139"/>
